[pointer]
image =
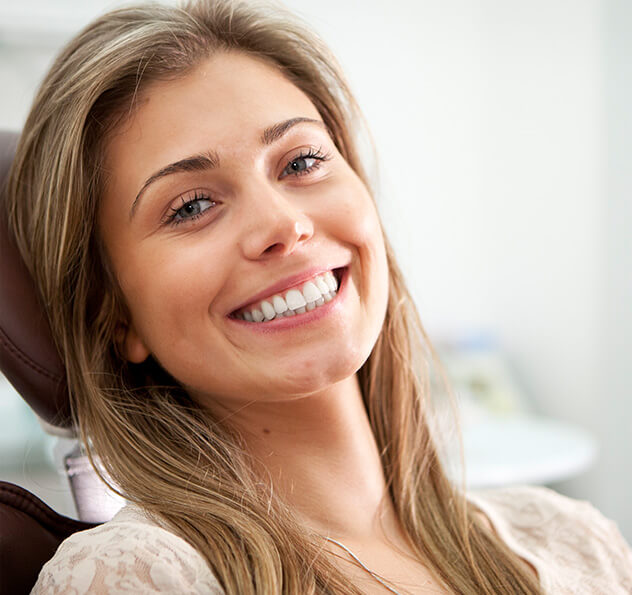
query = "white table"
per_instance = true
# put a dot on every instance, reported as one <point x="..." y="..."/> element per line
<point x="524" y="449"/>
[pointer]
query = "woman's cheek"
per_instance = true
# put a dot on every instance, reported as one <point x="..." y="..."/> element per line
<point x="357" y="219"/>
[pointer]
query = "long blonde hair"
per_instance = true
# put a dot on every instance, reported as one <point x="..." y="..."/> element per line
<point x="163" y="452"/>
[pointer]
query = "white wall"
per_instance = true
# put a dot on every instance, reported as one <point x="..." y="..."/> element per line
<point x="612" y="408"/>
<point x="503" y="129"/>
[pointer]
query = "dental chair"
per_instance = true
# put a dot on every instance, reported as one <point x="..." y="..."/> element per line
<point x="30" y="531"/>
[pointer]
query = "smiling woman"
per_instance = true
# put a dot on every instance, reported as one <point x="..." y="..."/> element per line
<point x="243" y="230"/>
<point x="242" y="353"/>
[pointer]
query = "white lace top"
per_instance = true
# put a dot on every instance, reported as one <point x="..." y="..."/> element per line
<point x="573" y="547"/>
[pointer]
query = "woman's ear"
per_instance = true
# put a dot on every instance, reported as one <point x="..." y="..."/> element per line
<point x="130" y="345"/>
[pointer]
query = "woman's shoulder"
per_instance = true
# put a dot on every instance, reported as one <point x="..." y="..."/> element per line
<point x="574" y="547"/>
<point x="129" y="554"/>
<point x="536" y="504"/>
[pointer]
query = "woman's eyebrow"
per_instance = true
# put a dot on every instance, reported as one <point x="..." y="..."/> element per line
<point x="201" y="162"/>
<point x="276" y="131"/>
<point x="210" y="159"/>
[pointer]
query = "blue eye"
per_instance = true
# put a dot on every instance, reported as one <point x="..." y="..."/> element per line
<point x="190" y="209"/>
<point x="305" y="163"/>
<point x="299" y="165"/>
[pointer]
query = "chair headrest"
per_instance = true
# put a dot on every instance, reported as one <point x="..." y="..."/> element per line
<point x="28" y="357"/>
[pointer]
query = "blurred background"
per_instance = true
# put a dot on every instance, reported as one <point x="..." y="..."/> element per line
<point x="504" y="132"/>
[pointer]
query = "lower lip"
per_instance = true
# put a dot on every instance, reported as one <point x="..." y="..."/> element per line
<point x="289" y="322"/>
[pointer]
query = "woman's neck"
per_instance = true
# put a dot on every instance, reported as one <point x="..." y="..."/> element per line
<point x="322" y="459"/>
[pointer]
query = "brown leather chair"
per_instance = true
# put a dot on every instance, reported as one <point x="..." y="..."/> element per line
<point x="30" y="531"/>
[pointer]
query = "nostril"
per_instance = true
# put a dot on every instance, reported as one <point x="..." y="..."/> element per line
<point x="273" y="248"/>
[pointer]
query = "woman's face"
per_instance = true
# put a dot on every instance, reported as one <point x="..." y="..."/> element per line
<point x="224" y="189"/>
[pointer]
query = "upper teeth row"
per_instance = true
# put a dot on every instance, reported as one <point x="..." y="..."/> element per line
<point x="295" y="301"/>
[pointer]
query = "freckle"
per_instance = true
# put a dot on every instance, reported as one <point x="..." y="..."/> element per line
<point x="266" y="431"/>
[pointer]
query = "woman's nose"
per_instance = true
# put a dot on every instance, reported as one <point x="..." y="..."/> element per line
<point x="276" y="225"/>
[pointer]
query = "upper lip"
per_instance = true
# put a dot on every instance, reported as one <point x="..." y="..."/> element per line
<point x="286" y="283"/>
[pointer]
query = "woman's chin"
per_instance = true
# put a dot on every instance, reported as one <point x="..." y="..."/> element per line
<point x="318" y="373"/>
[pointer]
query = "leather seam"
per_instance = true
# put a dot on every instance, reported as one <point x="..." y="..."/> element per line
<point x="17" y="352"/>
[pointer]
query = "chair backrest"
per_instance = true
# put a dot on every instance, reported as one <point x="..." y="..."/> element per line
<point x="28" y="357"/>
<point x="30" y="531"/>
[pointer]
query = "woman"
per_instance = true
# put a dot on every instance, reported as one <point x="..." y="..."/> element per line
<point x="242" y="352"/>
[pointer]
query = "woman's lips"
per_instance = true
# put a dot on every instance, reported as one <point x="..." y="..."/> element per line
<point x="288" y="322"/>
<point x="287" y="284"/>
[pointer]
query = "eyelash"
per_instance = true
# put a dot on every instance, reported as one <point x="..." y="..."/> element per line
<point x="315" y="154"/>
<point x="312" y="153"/>
<point x="186" y="201"/>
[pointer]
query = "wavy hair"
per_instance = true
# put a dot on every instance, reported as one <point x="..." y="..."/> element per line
<point x="162" y="451"/>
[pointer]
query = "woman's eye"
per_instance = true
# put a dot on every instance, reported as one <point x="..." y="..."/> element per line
<point x="296" y="166"/>
<point x="190" y="209"/>
<point x="304" y="164"/>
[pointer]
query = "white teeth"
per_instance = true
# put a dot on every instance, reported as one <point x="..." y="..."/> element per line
<point x="295" y="299"/>
<point x="322" y="286"/>
<point x="310" y="291"/>
<point x="279" y="304"/>
<point x="268" y="310"/>
<point x="314" y="293"/>
<point x="331" y="281"/>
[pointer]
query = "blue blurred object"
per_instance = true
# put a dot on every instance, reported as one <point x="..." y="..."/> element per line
<point x="21" y="437"/>
<point x="505" y="442"/>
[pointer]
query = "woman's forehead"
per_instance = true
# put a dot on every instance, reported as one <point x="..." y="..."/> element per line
<point x="227" y="100"/>
<point x="230" y="87"/>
